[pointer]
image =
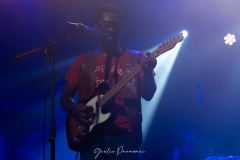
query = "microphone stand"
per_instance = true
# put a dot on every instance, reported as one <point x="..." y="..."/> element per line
<point x="25" y="54"/>
<point x="49" y="50"/>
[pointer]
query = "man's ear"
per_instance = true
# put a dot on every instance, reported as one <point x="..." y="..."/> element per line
<point x="96" y="27"/>
<point x="121" y="28"/>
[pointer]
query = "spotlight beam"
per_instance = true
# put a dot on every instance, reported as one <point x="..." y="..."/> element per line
<point x="162" y="70"/>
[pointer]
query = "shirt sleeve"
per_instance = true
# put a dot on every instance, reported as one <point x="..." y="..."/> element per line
<point x="143" y="58"/>
<point x="73" y="75"/>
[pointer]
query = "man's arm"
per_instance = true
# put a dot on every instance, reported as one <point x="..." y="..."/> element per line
<point x="148" y="84"/>
<point x="77" y="110"/>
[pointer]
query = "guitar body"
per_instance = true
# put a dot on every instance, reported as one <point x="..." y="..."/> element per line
<point x="78" y="136"/>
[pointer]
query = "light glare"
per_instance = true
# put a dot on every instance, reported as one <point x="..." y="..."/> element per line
<point x="163" y="69"/>
<point x="229" y="39"/>
<point x="185" y="33"/>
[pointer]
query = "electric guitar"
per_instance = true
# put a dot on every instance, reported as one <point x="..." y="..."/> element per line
<point x="81" y="137"/>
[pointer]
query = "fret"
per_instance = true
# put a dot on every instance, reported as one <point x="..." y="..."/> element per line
<point x="160" y="50"/>
<point x="116" y="88"/>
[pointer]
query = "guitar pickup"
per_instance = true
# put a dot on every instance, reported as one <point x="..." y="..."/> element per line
<point x="78" y="124"/>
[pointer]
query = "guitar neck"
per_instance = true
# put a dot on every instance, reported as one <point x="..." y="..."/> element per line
<point x="116" y="88"/>
<point x="166" y="46"/>
<point x="160" y="50"/>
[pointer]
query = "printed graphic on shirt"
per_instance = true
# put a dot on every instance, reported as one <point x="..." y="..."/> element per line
<point x="100" y="75"/>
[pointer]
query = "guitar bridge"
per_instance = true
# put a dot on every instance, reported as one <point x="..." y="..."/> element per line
<point x="78" y="124"/>
<point x="81" y="134"/>
<point x="84" y="132"/>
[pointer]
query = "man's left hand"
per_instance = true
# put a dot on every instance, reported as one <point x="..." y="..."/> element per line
<point x="149" y="64"/>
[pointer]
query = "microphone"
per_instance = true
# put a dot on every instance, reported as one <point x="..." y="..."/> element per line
<point x="82" y="27"/>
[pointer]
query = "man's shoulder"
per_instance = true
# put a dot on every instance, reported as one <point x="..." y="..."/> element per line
<point x="88" y="53"/>
<point x="81" y="56"/>
<point x="135" y="53"/>
<point x="132" y="51"/>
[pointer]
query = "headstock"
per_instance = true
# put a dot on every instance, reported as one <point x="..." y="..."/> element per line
<point x="168" y="45"/>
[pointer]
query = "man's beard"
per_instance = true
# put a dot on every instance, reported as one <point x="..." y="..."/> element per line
<point x="107" y="41"/>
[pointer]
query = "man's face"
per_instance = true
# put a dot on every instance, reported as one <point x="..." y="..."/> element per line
<point x="109" y="27"/>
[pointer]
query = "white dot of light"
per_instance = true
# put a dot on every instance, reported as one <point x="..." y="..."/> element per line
<point x="185" y="33"/>
<point x="164" y="66"/>
<point x="229" y="39"/>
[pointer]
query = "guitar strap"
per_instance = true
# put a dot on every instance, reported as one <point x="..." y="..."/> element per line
<point x="112" y="81"/>
<point x="114" y="78"/>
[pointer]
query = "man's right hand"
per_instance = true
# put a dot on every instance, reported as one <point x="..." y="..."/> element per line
<point x="83" y="113"/>
<point x="78" y="111"/>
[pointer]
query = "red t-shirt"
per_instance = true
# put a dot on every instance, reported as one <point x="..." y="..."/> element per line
<point x="118" y="109"/>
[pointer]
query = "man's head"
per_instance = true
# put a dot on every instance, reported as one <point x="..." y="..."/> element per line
<point x="108" y="8"/>
<point x="109" y="22"/>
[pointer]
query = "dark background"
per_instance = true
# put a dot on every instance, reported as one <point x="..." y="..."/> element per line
<point x="203" y="61"/>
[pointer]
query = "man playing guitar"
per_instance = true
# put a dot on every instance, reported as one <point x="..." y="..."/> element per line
<point x="109" y="64"/>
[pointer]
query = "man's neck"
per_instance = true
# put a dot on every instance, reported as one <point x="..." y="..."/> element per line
<point x="111" y="50"/>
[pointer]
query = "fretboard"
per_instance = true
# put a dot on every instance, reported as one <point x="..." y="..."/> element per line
<point x="160" y="50"/>
<point x="116" y="88"/>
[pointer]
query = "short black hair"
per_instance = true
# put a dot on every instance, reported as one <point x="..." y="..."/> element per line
<point x="108" y="8"/>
